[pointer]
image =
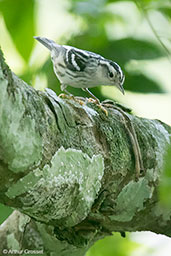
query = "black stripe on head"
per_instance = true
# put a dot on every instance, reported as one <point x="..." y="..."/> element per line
<point x="122" y="78"/>
<point x="115" y="65"/>
<point x="81" y="54"/>
<point x="118" y="70"/>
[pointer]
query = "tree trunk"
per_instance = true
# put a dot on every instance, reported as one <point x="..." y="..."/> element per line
<point x="69" y="170"/>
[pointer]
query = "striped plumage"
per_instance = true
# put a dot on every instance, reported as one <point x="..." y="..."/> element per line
<point x="82" y="69"/>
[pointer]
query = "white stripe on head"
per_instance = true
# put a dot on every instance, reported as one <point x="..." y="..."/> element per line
<point x="107" y="64"/>
<point x="83" y="52"/>
<point x="104" y="62"/>
<point x="67" y="47"/>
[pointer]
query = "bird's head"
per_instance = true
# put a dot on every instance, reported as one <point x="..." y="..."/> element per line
<point x="112" y="74"/>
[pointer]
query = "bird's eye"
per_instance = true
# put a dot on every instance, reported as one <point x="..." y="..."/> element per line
<point x="111" y="74"/>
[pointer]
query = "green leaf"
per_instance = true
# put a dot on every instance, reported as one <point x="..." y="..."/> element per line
<point x="166" y="11"/>
<point x="127" y="49"/>
<point x="4" y="212"/>
<point x="141" y="84"/>
<point x="19" y="19"/>
<point x="113" y="246"/>
<point x="90" y="7"/>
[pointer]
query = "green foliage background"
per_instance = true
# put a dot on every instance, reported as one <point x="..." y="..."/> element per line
<point x="96" y="19"/>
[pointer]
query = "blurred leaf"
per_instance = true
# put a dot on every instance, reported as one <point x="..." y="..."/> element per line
<point x="53" y="82"/>
<point x="97" y="40"/>
<point x="113" y="246"/>
<point x="19" y="19"/>
<point x="165" y="184"/>
<point x="90" y="7"/>
<point x="4" y="212"/>
<point x="127" y="49"/>
<point x="166" y="11"/>
<point x="140" y="83"/>
<point x="144" y="2"/>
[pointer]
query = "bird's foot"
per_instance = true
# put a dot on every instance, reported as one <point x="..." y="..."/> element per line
<point x="97" y="102"/>
<point x="103" y="109"/>
<point x="66" y="96"/>
<point x="71" y="97"/>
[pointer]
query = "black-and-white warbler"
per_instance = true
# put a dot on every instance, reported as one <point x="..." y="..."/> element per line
<point x="82" y="69"/>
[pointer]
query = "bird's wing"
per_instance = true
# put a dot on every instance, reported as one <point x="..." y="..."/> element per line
<point x="78" y="60"/>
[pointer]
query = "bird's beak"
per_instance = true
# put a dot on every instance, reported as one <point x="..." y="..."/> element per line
<point x="120" y="87"/>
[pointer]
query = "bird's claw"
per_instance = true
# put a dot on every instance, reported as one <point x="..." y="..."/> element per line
<point x="97" y="102"/>
<point x="66" y="96"/>
<point x="71" y="97"/>
<point x="103" y="109"/>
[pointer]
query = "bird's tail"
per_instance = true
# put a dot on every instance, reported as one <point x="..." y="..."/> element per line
<point x="46" y="42"/>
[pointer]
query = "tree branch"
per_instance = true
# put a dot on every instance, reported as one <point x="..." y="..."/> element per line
<point x="71" y="169"/>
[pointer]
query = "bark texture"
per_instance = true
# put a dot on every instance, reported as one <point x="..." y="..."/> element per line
<point x="69" y="170"/>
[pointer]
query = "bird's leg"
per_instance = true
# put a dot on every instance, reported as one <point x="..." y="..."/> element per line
<point x="92" y="95"/>
<point x="67" y="95"/>
<point x="96" y="100"/>
<point x="134" y="141"/>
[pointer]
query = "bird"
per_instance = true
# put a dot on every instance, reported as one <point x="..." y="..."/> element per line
<point x="84" y="69"/>
<point x="81" y="68"/>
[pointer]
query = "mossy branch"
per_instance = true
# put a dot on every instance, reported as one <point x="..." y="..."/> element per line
<point x="70" y="170"/>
